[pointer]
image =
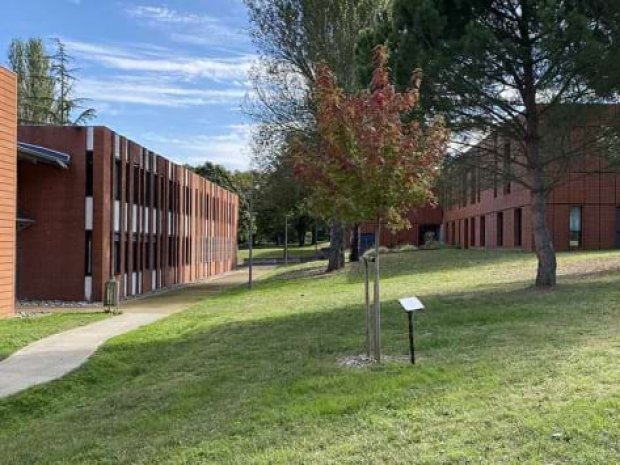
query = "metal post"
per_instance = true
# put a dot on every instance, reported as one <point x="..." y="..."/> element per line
<point x="376" y="297"/>
<point x="251" y="236"/>
<point x="411" y="346"/>
<point x="368" y="316"/>
<point x="286" y="239"/>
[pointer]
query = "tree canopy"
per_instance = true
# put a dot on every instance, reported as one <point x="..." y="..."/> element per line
<point x="518" y="70"/>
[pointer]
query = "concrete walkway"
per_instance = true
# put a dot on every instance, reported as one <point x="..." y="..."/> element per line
<point x="55" y="356"/>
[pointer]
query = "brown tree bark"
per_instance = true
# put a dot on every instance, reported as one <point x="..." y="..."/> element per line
<point x="336" y="250"/>
<point x="547" y="263"/>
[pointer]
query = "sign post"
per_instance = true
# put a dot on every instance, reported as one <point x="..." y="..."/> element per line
<point x="410" y="306"/>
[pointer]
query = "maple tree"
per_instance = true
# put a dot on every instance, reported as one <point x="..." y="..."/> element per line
<point x="367" y="160"/>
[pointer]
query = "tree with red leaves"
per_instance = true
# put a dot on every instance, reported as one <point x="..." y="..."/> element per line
<point x="367" y="161"/>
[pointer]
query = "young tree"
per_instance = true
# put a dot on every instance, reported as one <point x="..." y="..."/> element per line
<point x="367" y="162"/>
<point x="293" y="36"/>
<point x="35" y="86"/>
<point x="514" y="69"/>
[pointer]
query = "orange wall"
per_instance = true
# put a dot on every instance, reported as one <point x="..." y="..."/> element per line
<point x="8" y="179"/>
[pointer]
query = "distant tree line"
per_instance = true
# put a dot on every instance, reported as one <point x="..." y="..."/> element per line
<point x="275" y="196"/>
<point x="46" y="84"/>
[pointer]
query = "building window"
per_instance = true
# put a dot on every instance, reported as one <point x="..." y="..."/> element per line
<point x="88" y="256"/>
<point x="89" y="174"/>
<point x="117" y="254"/>
<point x="483" y="231"/>
<point x="500" y="229"/>
<point x="575" y="228"/>
<point x="118" y="178"/>
<point x="518" y="224"/>
<point x="472" y="234"/>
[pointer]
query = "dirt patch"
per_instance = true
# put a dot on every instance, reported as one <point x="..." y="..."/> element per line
<point x="363" y="361"/>
<point x="589" y="267"/>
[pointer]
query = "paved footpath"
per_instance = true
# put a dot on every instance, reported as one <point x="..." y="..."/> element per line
<point x="55" y="356"/>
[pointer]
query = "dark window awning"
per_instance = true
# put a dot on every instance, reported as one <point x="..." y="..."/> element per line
<point x="38" y="154"/>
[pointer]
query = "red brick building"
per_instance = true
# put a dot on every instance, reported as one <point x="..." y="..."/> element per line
<point x="583" y="211"/>
<point x="8" y="180"/>
<point x="106" y="207"/>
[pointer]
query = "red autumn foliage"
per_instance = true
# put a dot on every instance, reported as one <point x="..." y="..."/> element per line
<point x="367" y="161"/>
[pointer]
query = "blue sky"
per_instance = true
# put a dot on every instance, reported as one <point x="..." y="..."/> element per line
<point x="170" y="75"/>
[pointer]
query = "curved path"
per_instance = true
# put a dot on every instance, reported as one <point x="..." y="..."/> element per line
<point x="55" y="356"/>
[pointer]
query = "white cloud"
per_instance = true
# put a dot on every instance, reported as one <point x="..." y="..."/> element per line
<point x="187" y="27"/>
<point x="156" y="92"/>
<point x="145" y="60"/>
<point x="230" y="148"/>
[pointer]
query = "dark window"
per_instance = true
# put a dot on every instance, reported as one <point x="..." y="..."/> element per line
<point x="88" y="254"/>
<point x="127" y="254"/>
<point x="518" y="223"/>
<point x="472" y="225"/>
<point x="89" y="174"/>
<point x="117" y="254"/>
<point x="483" y="231"/>
<point x="500" y="229"/>
<point x="118" y="179"/>
<point x="575" y="237"/>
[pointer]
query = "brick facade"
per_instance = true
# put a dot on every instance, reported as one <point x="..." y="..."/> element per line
<point x="8" y="179"/>
<point x="501" y="217"/>
<point x="118" y="210"/>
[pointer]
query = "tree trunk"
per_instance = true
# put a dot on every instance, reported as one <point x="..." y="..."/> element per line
<point x="547" y="264"/>
<point x="301" y="236"/>
<point x="336" y="251"/>
<point x="315" y="235"/>
<point x="376" y="297"/>
<point x="355" y="244"/>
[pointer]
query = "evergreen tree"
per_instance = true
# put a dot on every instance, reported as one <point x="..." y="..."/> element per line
<point x="65" y="104"/>
<point x="514" y="69"/>
<point x="35" y="85"/>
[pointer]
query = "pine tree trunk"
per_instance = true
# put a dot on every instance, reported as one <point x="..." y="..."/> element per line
<point x="376" y="298"/>
<point x="336" y="251"/>
<point x="547" y="264"/>
<point x="354" y="256"/>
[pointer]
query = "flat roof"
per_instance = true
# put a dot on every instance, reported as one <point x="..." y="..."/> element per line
<point x="38" y="154"/>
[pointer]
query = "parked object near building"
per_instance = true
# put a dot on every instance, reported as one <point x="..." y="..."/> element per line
<point x="101" y="206"/>
<point x="424" y="221"/>
<point x="8" y="179"/>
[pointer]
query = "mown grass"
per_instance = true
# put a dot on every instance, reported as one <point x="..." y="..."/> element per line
<point x="506" y="374"/>
<point x="307" y="251"/>
<point x="16" y="333"/>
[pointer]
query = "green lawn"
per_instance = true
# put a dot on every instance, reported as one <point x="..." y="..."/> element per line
<point x="16" y="333"/>
<point x="507" y="374"/>
<point x="278" y="252"/>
